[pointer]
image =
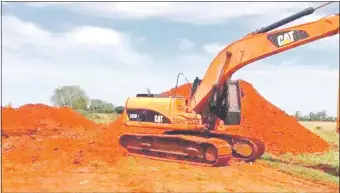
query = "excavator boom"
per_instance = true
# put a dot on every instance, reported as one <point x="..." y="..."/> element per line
<point x="256" y="46"/>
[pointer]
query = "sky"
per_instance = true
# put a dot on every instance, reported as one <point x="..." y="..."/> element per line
<point x="114" y="50"/>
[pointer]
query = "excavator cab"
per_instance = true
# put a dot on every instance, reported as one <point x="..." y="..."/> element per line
<point x="225" y="104"/>
<point x="233" y="104"/>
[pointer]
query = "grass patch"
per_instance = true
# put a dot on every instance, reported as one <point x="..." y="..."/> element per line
<point x="104" y="118"/>
<point x="313" y="174"/>
<point x="317" y="167"/>
<point x="99" y="117"/>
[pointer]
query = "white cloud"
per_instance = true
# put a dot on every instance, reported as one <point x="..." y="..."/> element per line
<point x="329" y="44"/>
<point x="87" y="35"/>
<point x="102" y="61"/>
<point x="35" y="61"/>
<point x="185" y="44"/>
<point x="213" y="48"/>
<point x="293" y="88"/>
<point x="193" y="12"/>
<point x="25" y="37"/>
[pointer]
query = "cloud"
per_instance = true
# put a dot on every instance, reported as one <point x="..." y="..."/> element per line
<point x="192" y="12"/>
<point x="295" y="87"/>
<point x="103" y="61"/>
<point x="213" y="48"/>
<point x="36" y="60"/>
<point x="329" y="44"/>
<point x="185" y="45"/>
<point x="19" y="36"/>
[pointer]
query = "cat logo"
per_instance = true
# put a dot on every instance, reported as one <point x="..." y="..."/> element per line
<point x="158" y="118"/>
<point x="284" y="38"/>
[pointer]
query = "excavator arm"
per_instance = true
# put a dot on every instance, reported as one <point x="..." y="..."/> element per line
<point x="258" y="45"/>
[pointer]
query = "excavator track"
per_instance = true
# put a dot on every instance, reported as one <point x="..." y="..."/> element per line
<point x="178" y="148"/>
<point x="243" y="148"/>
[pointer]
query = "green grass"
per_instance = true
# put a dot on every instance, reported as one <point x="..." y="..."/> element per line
<point x="317" y="167"/>
<point x="99" y="117"/>
<point x="104" y="118"/>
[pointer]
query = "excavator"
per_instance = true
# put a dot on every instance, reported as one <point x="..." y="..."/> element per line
<point x="189" y="130"/>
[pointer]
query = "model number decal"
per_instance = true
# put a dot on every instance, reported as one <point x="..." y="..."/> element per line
<point x="158" y="118"/>
<point x="133" y="116"/>
<point x="146" y="116"/>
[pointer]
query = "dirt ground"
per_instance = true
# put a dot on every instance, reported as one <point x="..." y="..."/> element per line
<point x="57" y="171"/>
<point x="144" y="175"/>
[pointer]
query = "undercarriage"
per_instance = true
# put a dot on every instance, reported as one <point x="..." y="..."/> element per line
<point x="199" y="148"/>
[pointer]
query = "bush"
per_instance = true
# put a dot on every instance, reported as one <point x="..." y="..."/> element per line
<point x="119" y="109"/>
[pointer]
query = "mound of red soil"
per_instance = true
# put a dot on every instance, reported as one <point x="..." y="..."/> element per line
<point x="182" y="90"/>
<point x="44" y="138"/>
<point x="33" y="118"/>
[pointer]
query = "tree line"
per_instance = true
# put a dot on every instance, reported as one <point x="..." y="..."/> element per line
<point x="76" y="98"/>
<point x="314" y="116"/>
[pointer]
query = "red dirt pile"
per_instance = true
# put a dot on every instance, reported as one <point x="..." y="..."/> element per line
<point x="49" y="138"/>
<point x="182" y="90"/>
<point x="280" y="132"/>
<point x="30" y="119"/>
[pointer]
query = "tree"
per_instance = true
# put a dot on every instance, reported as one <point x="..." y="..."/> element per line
<point x="108" y="108"/>
<point x="298" y="115"/>
<point x="119" y="109"/>
<point x="96" y="105"/>
<point x="99" y="106"/>
<point x="70" y="96"/>
<point x="312" y="116"/>
<point x="318" y="116"/>
<point x="321" y="115"/>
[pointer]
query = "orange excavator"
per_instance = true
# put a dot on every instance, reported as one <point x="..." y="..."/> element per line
<point x="189" y="130"/>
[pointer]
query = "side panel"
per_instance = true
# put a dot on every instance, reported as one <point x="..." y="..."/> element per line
<point x="144" y="115"/>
